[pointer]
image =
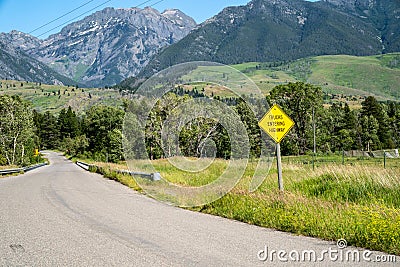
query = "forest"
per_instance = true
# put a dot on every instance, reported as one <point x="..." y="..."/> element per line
<point x="98" y="133"/>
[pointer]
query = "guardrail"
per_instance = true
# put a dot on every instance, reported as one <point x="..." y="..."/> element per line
<point x="29" y="168"/>
<point x="11" y="171"/>
<point x="24" y="169"/>
<point x="151" y="176"/>
<point x="83" y="165"/>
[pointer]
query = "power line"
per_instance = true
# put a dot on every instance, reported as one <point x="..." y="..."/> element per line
<point x="60" y="17"/>
<point x="75" y="18"/>
<point x="84" y="14"/>
<point x="141" y="4"/>
<point x="157" y="3"/>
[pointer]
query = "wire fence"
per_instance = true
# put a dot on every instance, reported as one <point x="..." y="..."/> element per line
<point x="384" y="158"/>
<point x="390" y="153"/>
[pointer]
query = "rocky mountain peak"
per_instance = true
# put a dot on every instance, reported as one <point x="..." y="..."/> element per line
<point x="178" y="17"/>
<point x="20" y="40"/>
<point x="108" y="45"/>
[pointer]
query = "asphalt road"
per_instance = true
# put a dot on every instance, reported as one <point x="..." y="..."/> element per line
<point x="61" y="215"/>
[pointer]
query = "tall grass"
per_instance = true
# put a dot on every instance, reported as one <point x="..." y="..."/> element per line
<point x="358" y="202"/>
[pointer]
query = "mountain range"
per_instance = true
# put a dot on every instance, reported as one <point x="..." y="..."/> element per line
<point x="283" y="30"/>
<point x="107" y="46"/>
<point x="16" y="65"/>
<point x="111" y="45"/>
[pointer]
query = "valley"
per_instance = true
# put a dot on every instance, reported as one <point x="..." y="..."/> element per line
<point x="175" y="109"/>
<point x="348" y="79"/>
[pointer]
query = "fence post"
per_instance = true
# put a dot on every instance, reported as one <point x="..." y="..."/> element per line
<point x="343" y="157"/>
<point x="384" y="159"/>
<point x="313" y="162"/>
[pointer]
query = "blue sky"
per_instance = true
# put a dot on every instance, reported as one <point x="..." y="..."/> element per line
<point x="27" y="15"/>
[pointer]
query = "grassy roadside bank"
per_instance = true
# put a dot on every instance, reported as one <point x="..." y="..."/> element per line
<point x="37" y="160"/>
<point x="357" y="202"/>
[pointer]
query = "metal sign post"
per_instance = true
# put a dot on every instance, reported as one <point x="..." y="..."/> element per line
<point x="279" y="166"/>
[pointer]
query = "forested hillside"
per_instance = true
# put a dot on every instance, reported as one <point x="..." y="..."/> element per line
<point x="265" y="31"/>
<point x="98" y="132"/>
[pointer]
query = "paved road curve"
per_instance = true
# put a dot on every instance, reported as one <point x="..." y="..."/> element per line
<point x="60" y="215"/>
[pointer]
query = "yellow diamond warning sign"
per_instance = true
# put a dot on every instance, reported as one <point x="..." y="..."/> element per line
<point x="276" y="123"/>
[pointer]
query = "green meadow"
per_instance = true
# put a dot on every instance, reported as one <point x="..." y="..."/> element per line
<point x="378" y="76"/>
<point x="53" y="98"/>
<point x="358" y="200"/>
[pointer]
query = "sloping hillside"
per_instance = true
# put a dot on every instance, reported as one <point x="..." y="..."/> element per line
<point x="283" y="30"/>
<point x="53" y="98"/>
<point x="341" y="74"/>
<point x="15" y="64"/>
